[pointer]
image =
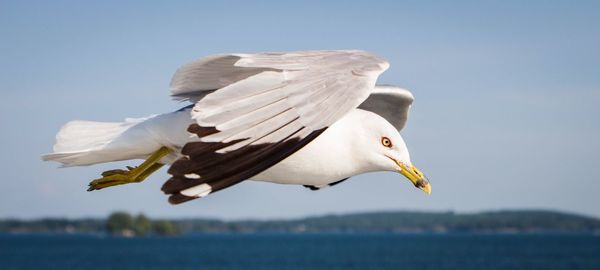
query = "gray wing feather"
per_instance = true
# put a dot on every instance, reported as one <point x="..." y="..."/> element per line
<point x="267" y="104"/>
<point x="390" y="102"/>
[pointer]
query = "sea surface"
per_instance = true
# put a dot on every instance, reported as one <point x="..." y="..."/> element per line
<point x="301" y="251"/>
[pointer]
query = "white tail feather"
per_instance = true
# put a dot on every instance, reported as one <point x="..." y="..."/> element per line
<point x="86" y="142"/>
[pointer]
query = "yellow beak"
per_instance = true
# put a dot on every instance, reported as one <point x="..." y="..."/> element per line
<point x="415" y="176"/>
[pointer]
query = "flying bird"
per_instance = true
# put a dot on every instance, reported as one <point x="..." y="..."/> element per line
<point x="310" y="118"/>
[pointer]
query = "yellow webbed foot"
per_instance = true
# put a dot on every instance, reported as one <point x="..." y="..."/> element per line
<point x="111" y="178"/>
<point x="132" y="174"/>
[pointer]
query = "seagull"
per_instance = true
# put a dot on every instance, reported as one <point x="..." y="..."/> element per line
<point x="310" y="118"/>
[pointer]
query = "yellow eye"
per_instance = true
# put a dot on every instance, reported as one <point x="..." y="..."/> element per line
<point x="386" y="142"/>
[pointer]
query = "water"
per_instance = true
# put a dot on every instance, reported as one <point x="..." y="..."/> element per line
<point x="290" y="251"/>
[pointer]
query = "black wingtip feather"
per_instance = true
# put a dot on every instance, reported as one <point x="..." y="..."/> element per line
<point x="178" y="198"/>
<point x="222" y="170"/>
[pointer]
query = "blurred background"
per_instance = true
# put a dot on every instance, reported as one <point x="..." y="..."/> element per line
<point x="506" y="114"/>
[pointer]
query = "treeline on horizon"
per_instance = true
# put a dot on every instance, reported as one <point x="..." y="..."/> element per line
<point x="116" y="224"/>
<point x="124" y="224"/>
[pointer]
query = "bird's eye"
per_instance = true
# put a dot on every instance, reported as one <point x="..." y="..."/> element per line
<point x="386" y="142"/>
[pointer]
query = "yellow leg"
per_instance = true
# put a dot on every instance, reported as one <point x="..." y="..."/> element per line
<point x="131" y="175"/>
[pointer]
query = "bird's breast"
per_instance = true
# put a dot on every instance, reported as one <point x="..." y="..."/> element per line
<point x="328" y="158"/>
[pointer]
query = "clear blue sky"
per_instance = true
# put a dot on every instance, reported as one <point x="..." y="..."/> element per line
<point x="506" y="114"/>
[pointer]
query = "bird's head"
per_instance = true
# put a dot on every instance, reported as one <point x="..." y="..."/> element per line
<point x="388" y="152"/>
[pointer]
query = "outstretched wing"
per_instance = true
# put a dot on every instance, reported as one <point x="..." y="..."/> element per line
<point x="391" y="103"/>
<point x="254" y="110"/>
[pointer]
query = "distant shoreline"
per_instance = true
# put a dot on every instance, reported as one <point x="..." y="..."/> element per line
<point x="265" y="233"/>
<point x="399" y="222"/>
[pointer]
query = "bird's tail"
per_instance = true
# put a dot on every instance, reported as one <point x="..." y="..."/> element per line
<point x="87" y="142"/>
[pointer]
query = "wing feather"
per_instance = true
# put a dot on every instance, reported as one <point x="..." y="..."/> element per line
<point x="261" y="108"/>
<point x="390" y="102"/>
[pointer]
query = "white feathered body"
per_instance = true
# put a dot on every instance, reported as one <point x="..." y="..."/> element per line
<point x="85" y="143"/>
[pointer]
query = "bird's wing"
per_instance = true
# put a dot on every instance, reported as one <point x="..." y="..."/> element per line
<point x="260" y="109"/>
<point x="390" y="102"/>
